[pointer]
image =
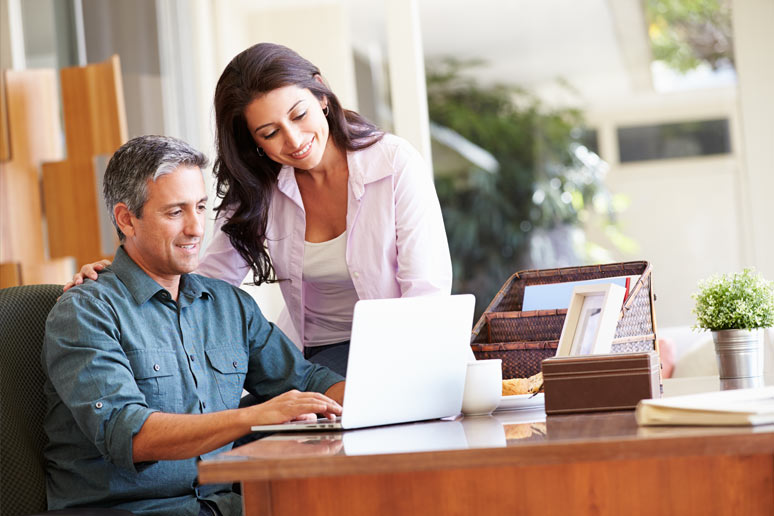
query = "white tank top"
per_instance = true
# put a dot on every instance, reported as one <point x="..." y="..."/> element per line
<point x="329" y="294"/>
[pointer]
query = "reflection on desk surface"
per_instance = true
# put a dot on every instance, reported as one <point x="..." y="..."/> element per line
<point x="502" y="429"/>
<point x="469" y="433"/>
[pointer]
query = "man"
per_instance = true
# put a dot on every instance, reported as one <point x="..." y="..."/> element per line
<point x="146" y="365"/>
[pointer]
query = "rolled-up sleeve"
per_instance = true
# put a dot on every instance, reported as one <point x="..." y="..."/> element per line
<point x="92" y="376"/>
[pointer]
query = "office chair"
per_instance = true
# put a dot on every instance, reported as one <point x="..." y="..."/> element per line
<point x="23" y="312"/>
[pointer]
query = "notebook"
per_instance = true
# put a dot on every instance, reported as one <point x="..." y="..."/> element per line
<point x="407" y="362"/>
<point x="724" y="408"/>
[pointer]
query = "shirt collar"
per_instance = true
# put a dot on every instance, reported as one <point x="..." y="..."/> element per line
<point x="143" y="287"/>
<point x="192" y="288"/>
<point x="360" y="174"/>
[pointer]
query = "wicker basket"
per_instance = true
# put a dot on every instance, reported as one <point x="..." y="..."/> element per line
<point x="523" y="339"/>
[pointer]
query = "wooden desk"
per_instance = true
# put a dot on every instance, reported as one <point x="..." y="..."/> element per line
<point x="517" y="462"/>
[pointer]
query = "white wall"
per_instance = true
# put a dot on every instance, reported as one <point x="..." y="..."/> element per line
<point x="754" y="49"/>
<point x="11" y="35"/>
<point x="407" y="76"/>
<point x="319" y="31"/>
<point x="686" y="214"/>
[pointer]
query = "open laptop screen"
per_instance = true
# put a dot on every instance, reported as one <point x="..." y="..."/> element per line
<point x="407" y="361"/>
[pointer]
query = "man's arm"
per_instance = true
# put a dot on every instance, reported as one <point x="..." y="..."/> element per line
<point x="181" y="436"/>
<point x="275" y="365"/>
<point x="336" y="392"/>
<point x="280" y="367"/>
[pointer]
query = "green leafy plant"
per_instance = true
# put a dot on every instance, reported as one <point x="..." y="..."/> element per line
<point x="742" y="301"/>
<point x="687" y="33"/>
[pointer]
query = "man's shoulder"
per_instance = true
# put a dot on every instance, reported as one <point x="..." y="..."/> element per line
<point x="81" y="306"/>
<point x="107" y="286"/>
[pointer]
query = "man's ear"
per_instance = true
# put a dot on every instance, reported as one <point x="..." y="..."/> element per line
<point x="124" y="218"/>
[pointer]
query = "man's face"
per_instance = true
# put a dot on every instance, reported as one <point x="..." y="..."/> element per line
<point x="166" y="240"/>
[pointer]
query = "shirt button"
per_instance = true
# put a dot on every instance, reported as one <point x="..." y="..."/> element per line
<point x="98" y="404"/>
<point x="193" y="357"/>
<point x="156" y="367"/>
<point x="204" y="404"/>
<point x="234" y="363"/>
<point x="355" y="274"/>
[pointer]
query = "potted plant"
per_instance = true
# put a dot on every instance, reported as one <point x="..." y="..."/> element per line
<point x="735" y="307"/>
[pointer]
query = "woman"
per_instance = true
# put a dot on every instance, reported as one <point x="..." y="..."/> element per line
<point x="315" y="197"/>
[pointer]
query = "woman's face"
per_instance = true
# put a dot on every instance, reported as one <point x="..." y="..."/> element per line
<point x="289" y="125"/>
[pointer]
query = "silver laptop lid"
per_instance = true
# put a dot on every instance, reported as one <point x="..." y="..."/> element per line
<point x="407" y="359"/>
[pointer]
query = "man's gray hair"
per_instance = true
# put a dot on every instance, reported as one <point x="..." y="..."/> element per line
<point x="139" y="160"/>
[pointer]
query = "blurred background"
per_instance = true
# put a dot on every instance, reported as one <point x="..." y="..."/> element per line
<point x="560" y="132"/>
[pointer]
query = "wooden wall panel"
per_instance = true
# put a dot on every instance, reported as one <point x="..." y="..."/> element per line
<point x="56" y="271"/>
<point x="69" y="188"/>
<point x="34" y="136"/>
<point x="94" y="111"/>
<point x="95" y="123"/>
<point x="21" y="224"/>
<point x="10" y="274"/>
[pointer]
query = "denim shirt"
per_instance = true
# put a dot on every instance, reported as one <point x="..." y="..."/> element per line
<point x="120" y="348"/>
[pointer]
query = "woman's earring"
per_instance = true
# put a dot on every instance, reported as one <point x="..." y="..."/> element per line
<point x="259" y="151"/>
<point x="326" y="110"/>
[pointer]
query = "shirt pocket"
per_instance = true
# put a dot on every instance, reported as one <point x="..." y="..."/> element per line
<point x="158" y="377"/>
<point x="230" y="366"/>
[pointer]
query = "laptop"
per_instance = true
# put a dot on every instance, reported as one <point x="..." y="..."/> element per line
<point x="407" y="362"/>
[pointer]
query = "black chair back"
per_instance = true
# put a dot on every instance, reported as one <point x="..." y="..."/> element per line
<point x="23" y="312"/>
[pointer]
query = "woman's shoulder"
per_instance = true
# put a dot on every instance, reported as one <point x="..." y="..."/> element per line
<point x="390" y="143"/>
<point x="391" y="150"/>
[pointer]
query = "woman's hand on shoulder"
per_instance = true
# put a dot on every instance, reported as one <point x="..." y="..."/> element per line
<point x="90" y="270"/>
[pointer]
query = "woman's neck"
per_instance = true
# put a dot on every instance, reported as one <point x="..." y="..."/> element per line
<point x="333" y="162"/>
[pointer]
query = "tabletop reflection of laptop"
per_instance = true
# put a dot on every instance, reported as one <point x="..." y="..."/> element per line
<point x="407" y="362"/>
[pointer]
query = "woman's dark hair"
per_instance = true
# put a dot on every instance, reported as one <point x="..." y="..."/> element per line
<point x="245" y="179"/>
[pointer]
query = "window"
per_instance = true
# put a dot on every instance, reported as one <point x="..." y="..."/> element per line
<point x="676" y="140"/>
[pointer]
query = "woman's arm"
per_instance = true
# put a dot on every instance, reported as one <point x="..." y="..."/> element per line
<point x="221" y="261"/>
<point x="424" y="262"/>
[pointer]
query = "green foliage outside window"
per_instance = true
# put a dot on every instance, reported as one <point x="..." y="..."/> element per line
<point x="687" y="33"/>
<point x="546" y="179"/>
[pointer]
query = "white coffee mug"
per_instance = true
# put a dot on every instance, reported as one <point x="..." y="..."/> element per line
<point x="483" y="387"/>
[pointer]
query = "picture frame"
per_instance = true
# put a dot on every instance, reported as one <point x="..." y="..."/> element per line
<point x="591" y="321"/>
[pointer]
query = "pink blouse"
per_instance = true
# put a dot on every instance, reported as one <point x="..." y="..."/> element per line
<point x="396" y="243"/>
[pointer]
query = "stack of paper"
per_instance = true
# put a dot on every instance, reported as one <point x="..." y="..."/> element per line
<point x="735" y="407"/>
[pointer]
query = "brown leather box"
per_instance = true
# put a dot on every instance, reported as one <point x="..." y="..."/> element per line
<point x="593" y="383"/>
